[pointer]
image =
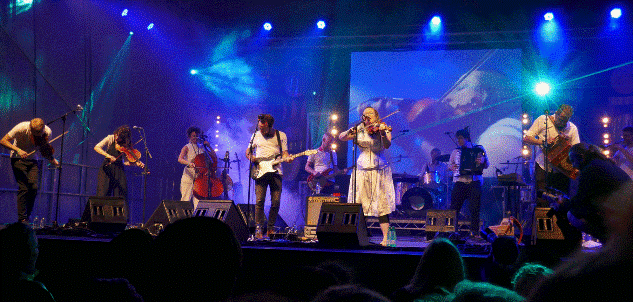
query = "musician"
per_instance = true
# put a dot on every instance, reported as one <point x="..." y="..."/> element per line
<point x="435" y="167"/>
<point x="323" y="161"/>
<point x="267" y="143"/>
<point x="468" y="184"/>
<point x="371" y="179"/>
<point x="557" y="124"/>
<point x="186" y="157"/>
<point x="624" y="152"/>
<point x="111" y="180"/>
<point x="25" y="137"/>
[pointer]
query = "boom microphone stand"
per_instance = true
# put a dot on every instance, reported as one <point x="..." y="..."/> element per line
<point x="148" y="155"/>
<point x="61" y="158"/>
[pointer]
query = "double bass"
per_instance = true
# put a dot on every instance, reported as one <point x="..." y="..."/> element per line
<point x="206" y="185"/>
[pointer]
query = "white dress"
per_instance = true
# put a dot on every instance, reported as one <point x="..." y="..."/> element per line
<point x="189" y="174"/>
<point x="372" y="176"/>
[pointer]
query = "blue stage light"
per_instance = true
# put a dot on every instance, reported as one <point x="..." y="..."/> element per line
<point x="268" y="26"/>
<point x="321" y="24"/>
<point x="194" y="71"/>
<point x="616" y="13"/>
<point x="131" y="33"/>
<point x="436" y="20"/>
<point x="542" y="88"/>
<point x="124" y="13"/>
<point x="548" y="16"/>
<point x="150" y="26"/>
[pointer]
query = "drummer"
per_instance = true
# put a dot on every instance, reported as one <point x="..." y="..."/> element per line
<point x="434" y="172"/>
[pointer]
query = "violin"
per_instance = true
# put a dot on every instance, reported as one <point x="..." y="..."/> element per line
<point x="374" y="128"/>
<point x="132" y="155"/>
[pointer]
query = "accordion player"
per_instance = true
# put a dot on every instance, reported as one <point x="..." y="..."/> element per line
<point x="468" y="160"/>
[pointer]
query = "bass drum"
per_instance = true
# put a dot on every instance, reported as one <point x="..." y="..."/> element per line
<point x="416" y="201"/>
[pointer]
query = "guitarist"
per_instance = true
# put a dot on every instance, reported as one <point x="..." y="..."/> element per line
<point x="323" y="161"/>
<point x="267" y="143"/>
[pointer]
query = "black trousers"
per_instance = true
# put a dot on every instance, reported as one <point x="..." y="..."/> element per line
<point x="472" y="192"/>
<point x="27" y="175"/>
<point x="273" y="181"/>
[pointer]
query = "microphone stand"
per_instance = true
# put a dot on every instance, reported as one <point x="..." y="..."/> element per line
<point x="545" y="148"/>
<point x="145" y="169"/>
<point x="250" y="181"/>
<point x="61" y="158"/>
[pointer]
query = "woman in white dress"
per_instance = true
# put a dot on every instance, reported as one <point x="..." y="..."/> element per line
<point x="371" y="183"/>
<point x="186" y="157"/>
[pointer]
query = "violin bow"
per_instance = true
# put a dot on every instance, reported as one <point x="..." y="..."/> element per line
<point x="30" y="153"/>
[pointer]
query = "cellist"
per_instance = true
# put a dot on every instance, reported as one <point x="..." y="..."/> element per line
<point x="26" y="137"/>
<point x="111" y="180"/>
<point x="187" y="155"/>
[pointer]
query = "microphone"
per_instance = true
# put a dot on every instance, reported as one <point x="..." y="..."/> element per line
<point x="448" y="132"/>
<point x="79" y="108"/>
<point x="137" y="127"/>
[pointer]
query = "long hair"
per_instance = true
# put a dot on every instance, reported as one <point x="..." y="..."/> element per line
<point x="124" y="135"/>
<point x="441" y="265"/>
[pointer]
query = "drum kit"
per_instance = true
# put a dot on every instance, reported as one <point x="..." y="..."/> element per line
<point x="415" y="194"/>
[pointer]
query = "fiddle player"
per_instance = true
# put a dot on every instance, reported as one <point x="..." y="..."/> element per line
<point x="111" y="180"/>
<point x="26" y="137"/>
<point x="624" y="152"/>
<point x="468" y="185"/>
<point x="267" y="143"/>
<point x="324" y="160"/>
<point x="557" y="124"/>
<point x="186" y="157"/>
<point x="371" y="179"/>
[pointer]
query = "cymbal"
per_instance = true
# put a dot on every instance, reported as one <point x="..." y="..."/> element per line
<point x="444" y="158"/>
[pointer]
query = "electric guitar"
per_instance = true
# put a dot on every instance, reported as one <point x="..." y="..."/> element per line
<point x="261" y="166"/>
<point x="323" y="178"/>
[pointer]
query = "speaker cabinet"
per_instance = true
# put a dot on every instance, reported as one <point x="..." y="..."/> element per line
<point x="544" y="226"/>
<point x="105" y="214"/>
<point x="440" y="221"/>
<point x="342" y="225"/>
<point x="226" y="211"/>
<point x="280" y="223"/>
<point x="314" y="207"/>
<point x="166" y="213"/>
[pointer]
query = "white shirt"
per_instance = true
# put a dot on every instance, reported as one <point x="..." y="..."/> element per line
<point x="538" y="129"/>
<point x="266" y="147"/>
<point x="455" y="159"/>
<point x="21" y="135"/>
<point x="322" y="160"/>
<point x="624" y="164"/>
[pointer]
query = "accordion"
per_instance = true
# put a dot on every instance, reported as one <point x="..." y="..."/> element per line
<point x="558" y="156"/>
<point x="467" y="161"/>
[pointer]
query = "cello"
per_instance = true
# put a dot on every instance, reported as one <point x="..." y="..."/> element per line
<point x="206" y="185"/>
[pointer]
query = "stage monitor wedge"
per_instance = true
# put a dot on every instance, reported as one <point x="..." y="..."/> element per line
<point x="226" y="211"/>
<point x="342" y="225"/>
<point x="167" y="212"/>
<point x="106" y="214"/>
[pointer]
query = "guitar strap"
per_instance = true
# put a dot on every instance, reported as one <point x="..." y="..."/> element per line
<point x="331" y="159"/>
<point x="279" y="143"/>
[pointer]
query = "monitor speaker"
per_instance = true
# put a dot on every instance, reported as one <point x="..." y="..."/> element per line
<point x="342" y="225"/>
<point x="226" y="211"/>
<point x="105" y="214"/>
<point x="167" y="212"/>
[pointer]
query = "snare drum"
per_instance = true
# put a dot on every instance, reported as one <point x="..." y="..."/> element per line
<point x="431" y="178"/>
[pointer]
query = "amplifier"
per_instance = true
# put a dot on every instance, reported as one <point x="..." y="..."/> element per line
<point x="314" y="207"/>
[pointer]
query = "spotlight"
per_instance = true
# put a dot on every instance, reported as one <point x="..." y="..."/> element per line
<point x="525" y="121"/>
<point x="131" y="33"/>
<point x="542" y="88"/>
<point x="334" y="132"/>
<point x="436" y="20"/>
<point x="217" y="117"/>
<point x="606" y="135"/>
<point x="525" y="115"/>
<point x="606" y="152"/>
<point x="606" y="141"/>
<point x="320" y="24"/>
<point x="525" y="152"/>
<point x="217" y="135"/>
<point x="268" y="26"/>
<point x="334" y="117"/>
<point x="217" y="122"/>
<point x="150" y="26"/>
<point x="616" y="13"/>
<point x="605" y="120"/>
<point x="217" y="131"/>
<point x="124" y="13"/>
<point x="194" y="71"/>
<point x="216" y="149"/>
<point x="333" y="146"/>
<point x="548" y="16"/>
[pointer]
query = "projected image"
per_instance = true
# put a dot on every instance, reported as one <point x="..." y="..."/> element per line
<point x="432" y="94"/>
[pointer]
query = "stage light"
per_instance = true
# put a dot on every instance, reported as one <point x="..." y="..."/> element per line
<point x="525" y="115"/>
<point x="216" y="149"/>
<point x="542" y="88"/>
<point x="150" y="26"/>
<point x="217" y="117"/>
<point x="548" y="16"/>
<point x="524" y="131"/>
<point x="217" y="131"/>
<point x="606" y="152"/>
<point x="131" y="33"/>
<point x="217" y="122"/>
<point x="217" y="135"/>
<point x="334" y="117"/>
<point x="436" y="20"/>
<point x="525" y="152"/>
<point x="194" y="71"/>
<point x="320" y="24"/>
<point x="333" y="146"/>
<point x="525" y="121"/>
<point x="606" y="135"/>
<point x="616" y="13"/>
<point x="606" y="141"/>
<point x="124" y="13"/>
<point x="268" y="26"/>
<point x="605" y="120"/>
<point x="334" y="132"/>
